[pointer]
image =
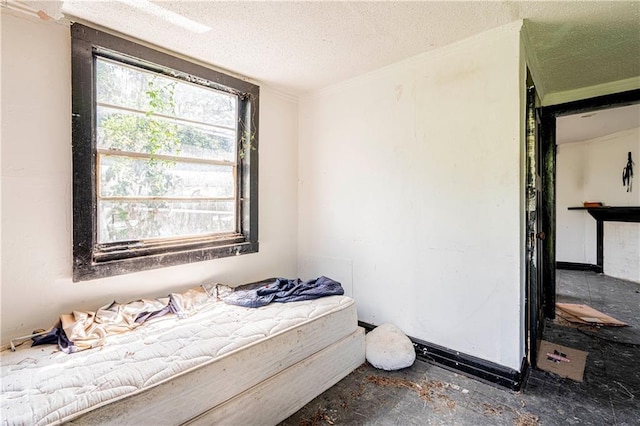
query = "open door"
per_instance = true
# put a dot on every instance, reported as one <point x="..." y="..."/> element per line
<point x="534" y="230"/>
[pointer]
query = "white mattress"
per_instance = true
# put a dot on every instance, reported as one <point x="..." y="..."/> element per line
<point x="280" y="396"/>
<point x="227" y="348"/>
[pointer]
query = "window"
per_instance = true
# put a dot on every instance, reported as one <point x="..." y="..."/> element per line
<point x="165" y="159"/>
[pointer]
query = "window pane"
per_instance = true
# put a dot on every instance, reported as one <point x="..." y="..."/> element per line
<point x="138" y="220"/>
<point x="205" y="105"/>
<point x="136" y="132"/>
<point x="142" y="177"/>
<point x="147" y="92"/>
<point x="120" y="85"/>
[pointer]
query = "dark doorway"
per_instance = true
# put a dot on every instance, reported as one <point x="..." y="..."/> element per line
<point x="547" y="141"/>
<point x="543" y="294"/>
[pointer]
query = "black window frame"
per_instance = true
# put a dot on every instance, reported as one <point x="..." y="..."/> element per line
<point x="92" y="260"/>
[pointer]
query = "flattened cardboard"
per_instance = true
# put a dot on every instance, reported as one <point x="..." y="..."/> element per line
<point x="561" y="360"/>
<point x="584" y="314"/>
<point x="562" y="318"/>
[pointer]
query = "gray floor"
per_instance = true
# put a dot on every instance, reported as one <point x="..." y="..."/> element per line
<point x="426" y="394"/>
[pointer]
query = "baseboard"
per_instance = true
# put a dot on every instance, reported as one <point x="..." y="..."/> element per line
<point x="575" y="266"/>
<point x="467" y="364"/>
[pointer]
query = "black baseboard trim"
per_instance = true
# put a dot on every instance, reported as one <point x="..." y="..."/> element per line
<point x="574" y="266"/>
<point x="467" y="364"/>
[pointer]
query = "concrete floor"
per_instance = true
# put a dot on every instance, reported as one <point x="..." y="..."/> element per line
<point x="426" y="394"/>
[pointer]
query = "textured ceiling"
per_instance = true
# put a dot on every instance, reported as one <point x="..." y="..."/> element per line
<point x="585" y="44"/>
<point x="585" y="126"/>
<point x="303" y="46"/>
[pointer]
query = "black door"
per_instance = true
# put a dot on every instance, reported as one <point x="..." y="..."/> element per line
<point x="534" y="232"/>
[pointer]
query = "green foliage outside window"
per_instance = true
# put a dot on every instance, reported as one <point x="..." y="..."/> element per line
<point x="151" y="131"/>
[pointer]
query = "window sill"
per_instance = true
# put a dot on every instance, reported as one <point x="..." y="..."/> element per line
<point x="103" y="265"/>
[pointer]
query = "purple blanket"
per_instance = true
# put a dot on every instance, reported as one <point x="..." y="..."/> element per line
<point x="285" y="290"/>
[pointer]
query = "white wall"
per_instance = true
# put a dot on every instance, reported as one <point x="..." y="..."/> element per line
<point x="592" y="171"/>
<point x="410" y="193"/>
<point x="36" y="191"/>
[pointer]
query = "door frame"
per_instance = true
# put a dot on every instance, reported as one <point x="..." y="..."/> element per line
<point x="533" y="217"/>
<point x="547" y="140"/>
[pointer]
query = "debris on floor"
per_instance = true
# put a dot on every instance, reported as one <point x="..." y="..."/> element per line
<point x="319" y="418"/>
<point x="584" y="314"/>
<point x="521" y="418"/>
<point x="526" y="419"/>
<point x="492" y="410"/>
<point x="561" y="360"/>
<point x="428" y="390"/>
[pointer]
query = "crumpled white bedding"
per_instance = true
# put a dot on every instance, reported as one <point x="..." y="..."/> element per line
<point x="41" y="385"/>
<point x="88" y="329"/>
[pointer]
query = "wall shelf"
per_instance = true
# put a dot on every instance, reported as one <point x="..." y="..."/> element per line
<point x="612" y="214"/>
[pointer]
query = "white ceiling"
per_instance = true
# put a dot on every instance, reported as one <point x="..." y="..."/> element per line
<point x="586" y="126"/>
<point x="303" y="46"/>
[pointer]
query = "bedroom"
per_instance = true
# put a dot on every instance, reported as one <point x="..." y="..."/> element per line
<point x="404" y="180"/>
